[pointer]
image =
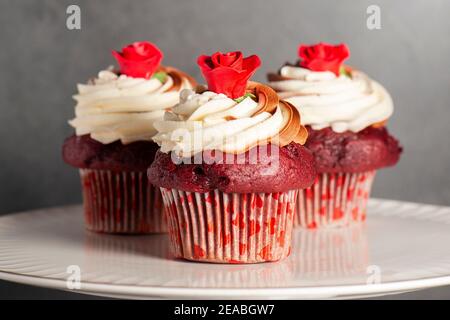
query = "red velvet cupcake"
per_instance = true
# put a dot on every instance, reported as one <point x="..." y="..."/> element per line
<point x="112" y="144"/>
<point x="345" y="113"/>
<point x="230" y="166"/>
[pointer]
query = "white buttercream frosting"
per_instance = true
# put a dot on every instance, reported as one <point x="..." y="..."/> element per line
<point x="115" y="107"/>
<point x="212" y="121"/>
<point x="340" y="102"/>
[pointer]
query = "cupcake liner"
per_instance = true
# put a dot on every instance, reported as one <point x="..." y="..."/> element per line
<point x="335" y="199"/>
<point x="121" y="202"/>
<point x="229" y="227"/>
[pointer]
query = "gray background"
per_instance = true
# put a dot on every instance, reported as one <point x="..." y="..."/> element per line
<point x="41" y="61"/>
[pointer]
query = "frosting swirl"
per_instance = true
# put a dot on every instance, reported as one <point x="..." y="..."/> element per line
<point x="115" y="107"/>
<point x="350" y="101"/>
<point x="212" y="121"/>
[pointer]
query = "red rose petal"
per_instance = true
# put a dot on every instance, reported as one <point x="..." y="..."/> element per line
<point x="228" y="73"/>
<point x="139" y="59"/>
<point x="323" y="57"/>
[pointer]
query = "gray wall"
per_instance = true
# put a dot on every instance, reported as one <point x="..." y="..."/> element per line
<point x="41" y="61"/>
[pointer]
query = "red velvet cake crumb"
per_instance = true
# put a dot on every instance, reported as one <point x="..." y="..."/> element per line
<point x="87" y="153"/>
<point x="369" y="149"/>
<point x="294" y="170"/>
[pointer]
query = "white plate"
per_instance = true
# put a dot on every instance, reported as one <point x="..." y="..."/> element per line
<point x="403" y="247"/>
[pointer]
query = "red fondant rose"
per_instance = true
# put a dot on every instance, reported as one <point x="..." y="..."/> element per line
<point x="228" y="73"/>
<point x="139" y="59"/>
<point x="323" y="57"/>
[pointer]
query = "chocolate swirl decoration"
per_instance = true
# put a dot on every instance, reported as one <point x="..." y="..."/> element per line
<point x="178" y="78"/>
<point x="115" y="107"/>
<point x="268" y="99"/>
<point x="227" y="125"/>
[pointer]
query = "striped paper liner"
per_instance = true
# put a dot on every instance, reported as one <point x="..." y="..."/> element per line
<point x="121" y="202"/>
<point x="230" y="227"/>
<point x="335" y="199"/>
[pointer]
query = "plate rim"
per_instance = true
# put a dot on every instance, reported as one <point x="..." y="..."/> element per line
<point x="295" y="292"/>
<point x="309" y="292"/>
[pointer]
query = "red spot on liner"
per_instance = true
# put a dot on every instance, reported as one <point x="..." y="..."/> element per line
<point x="312" y="225"/>
<point x="242" y="248"/>
<point x="279" y="208"/>
<point x="272" y="225"/>
<point x="337" y="214"/>
<point x="234" y="261"/>
<point x="282" y="238"/>
<point x="322" y="211"/>
<point x="266" y="253"/>
<point x="355" y="212"/>
<point x="349" y="194"/>
<point x="289" y="208"/>
<point x="226" y="239"/>
<point x="199" y="252"/>
<point x="238" y="221"/>
<point x="258" y="201"/>
<point x="253" y="227"/>
<point x="210" y="199"/>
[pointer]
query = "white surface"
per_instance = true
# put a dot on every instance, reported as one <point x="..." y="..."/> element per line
<point x="406" y="242"/>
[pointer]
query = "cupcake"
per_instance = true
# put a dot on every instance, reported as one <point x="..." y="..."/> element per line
<point x="112" y="145"/>
<point x="345" y="113"/>
<point x="230" y="166"/>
